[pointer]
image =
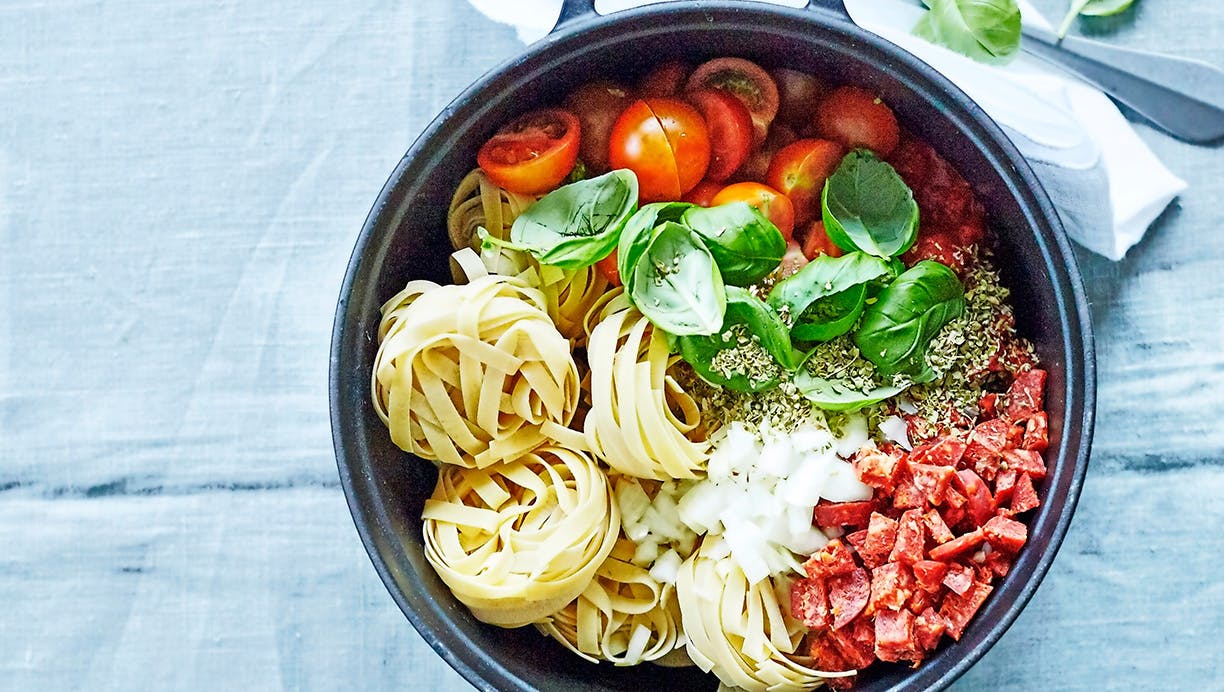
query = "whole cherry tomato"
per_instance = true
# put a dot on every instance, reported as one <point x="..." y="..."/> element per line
<point x="748" y="82"/>
<point x="817" y="242"/>
<point x="704" y="193"/>
<point x="856" y="117"/>
<point x="799" y="171"/>
<point x="597" y="105"/>
<point x="665" y="79"/>
<point x="533" y="153"/>
<point x="773" y="204"/>
<point x="665" y="143"/>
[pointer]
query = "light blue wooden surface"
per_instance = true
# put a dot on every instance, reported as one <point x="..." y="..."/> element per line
<point x="180" y="187"/>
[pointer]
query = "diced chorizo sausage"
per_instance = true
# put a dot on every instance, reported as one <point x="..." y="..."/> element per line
<point x="856" y="643"/>
<point x="1037" y="432"/>
<point x="1005" y="534"/>
<point x="980" y="505"/>
<point x="936" y="527"/>
<point x="959" y="578"/>
<point x="881" y="537"/>
<point x="826" y="657"/>
<point x="1025" y="396"/>
<point x="894" y="636"/>
<point x="1005" y="484"/>
<point x="1025" y="461"/>
<point x="854" y="514"/>
<point x="891" y="587"/>
<point x="958" y="609"/>
<point x="942" y="451"/>
<point x="833" y="560"/>
<point x="957" y="546"/>
<point x="810" y="603"/>
<point x="932" y="481"/>
<point x="988" y="406"/>
<point x="928" y="629"/>
<point x="878" y="469"/>
<point x="911" y="538"/>
<point x="848" y="596"/>
<point x="985" y="447"/>
<point x="1024" y="497"/>
<point x="929" y="574"/>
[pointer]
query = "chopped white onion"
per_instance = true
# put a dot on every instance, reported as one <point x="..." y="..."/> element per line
<point x="895" y="429"/>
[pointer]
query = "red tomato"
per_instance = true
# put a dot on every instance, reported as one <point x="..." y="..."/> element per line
<point x="773" y="204"/>
<point x="748" y="82"/>
<point x="607" y="267"/>
<point x="597" y="104"/>
<point x="799" y="171"/>
<point x="858" y="118"/>
<point x="703" y="194"/>
<point x="730" y="126"/>
<point x="533" y="153"/>
<point x="664" y="79"/>
<point x="817" y="242"/>
<point x="664" y="141"/>
<point x="792" y="260"/>
<point x="799" y="94"/>
<point x="757" y="164"/>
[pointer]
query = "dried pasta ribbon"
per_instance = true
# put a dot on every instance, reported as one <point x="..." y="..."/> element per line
<point x="741" y="632"/>
<point x="642" y="423"/>
<point x="479" y="203"/>
<point x="624" y="615"/>
<point x="517" y="541"/>
<point x="468" y="374"/>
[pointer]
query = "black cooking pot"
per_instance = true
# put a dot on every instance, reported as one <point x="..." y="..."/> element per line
<point x="405" y="238"/>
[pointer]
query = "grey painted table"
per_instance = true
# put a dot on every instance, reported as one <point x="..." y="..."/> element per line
<point x="180" y="187"/>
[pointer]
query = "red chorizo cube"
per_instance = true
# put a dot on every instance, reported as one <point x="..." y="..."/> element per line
<point x="959" y="578"/>
<point x="936" y="527"/>
<point x="929" y="574"/>
<point x="988" y="406"/>
<point x="810" y="603"/>
<point x="958" y="546"/>
<point x="891" y="587"/>
<point x="958" y="609"/>
<point x="1005" y="534"/>
<point x="833" y="560"/>
<point x="848" y="596"/>
<point x="932" y="481"/>
<point x="1037" y="432"/>
<point x="1025" y="396"/>
<point x="857" y="540"/>
<point x="1005" y="484"/>
<point x="856" y="643"/>
<point x="920" y="600"/>
<point x="825" y="656"/>
<point x="996" y="564"/>
<point x="881" y="536"/>
<point x="1025" y="461"/>
<point x="908" y="495"/>
<point x="911" y="538"/>
<point x="894" y="636"/>
<point x="928" y="629"/>
<point x="1025" y="497"/>
<point x="942" y="451"/>
<point x="986" y="442"/>
<point x="878" y="469"/>
<point x="981" y="505"/>
<point x="840" y="514"/>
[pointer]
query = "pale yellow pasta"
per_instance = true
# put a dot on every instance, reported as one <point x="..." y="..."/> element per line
<point x="479" y="203"/>
<point x="742" y="633"/>
<point x="519" y="540"/>
<point x="641" y="422"/>
<point x="469" y="374"/>
<point x="624" y="615"/>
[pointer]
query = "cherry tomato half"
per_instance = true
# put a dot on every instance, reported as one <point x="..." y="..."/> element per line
<point x="747" y="82"/>
<point x="607" y="268"/>
<point x="856" y="117"/>
<point x="758" y="162"/>
<point x="703" y="194"/>
<point x="730" y="127"/>
<point x="597" y="104"/>
<point x="773" y="204"/>
<point x="817" y="242"/>
<point x="665" y="143"/>
<point x="664" y="79"/>
<point x="533" y="153"/>
<point x="799" y="93"/>
<point x="799" y="171"/>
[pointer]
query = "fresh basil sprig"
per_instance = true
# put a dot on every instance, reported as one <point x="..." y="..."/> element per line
<point x="578" y="224"/>
<point x="832" y="395"/>
<point x="761" y="323"/>
<point x="985" y="30"/>
<point x="745" y="245"/>
<point x="638" y="232"/>
<point x="826" y="296"/>
<point x="897" y="329"/>
<point x="676" y="284"/>
<point x="1092" y="8"/>
<point x="867" y="206"/>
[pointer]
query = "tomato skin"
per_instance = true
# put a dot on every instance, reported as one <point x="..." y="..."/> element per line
<point x="817" y="242"/>
<point x="856" y="117"/>
<point x="799" y="171"/>
<point x="533" y="153"/>
<point x="664" y="141"/>
<point x="703" y="194"/>
<point x="665" y="79"/>
<point x="730" y="130"/>
<point x="773" y="204"/>
<point x="799" y="94"/>
<point x="597" y="105"/>
<point x="748" y="82"/>
<point x="607" y="268"/>
<point x="757" y="165"/>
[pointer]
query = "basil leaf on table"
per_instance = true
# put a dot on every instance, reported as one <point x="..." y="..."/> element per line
<point x="1092" y="8"/>
<point x="745" y="245"/>
<point x="578" y="224"/>
<point x="826" y="296"/>
<point x="639" y="230"/>
<point x="832" y="395"/>
<point x="759" y="322"/>
<point x="897" y="329"/>
<point x="867" y="206"/>
<point x="985" y="30"/>
<point x="676" y="284"/>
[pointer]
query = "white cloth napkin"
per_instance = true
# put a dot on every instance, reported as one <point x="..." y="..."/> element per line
<point x="1106" y="184"/>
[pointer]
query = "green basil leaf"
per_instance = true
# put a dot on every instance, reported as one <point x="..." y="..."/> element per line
<point x="677" y="285"/>
<point x="578" y="224"/>
<point x="985" y="30"/>
<point x="897" y="329"/>
<point x="1092" y="8"/>
<point x="867" y="206"/>
<point x="826" y="296"/>
<point x="832" y="395"/>
<point x="752" y="367"/>
<point x="638" y="232"/>
<point x="745" y="245"/>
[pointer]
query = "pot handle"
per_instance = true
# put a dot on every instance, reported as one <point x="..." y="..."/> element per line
<point x="574" y="11"/>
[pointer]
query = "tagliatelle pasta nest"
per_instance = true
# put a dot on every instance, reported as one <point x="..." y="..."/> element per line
<point x="641" y="423"/>
<point x="469" y="374"/>
<point x="479" y="203"/>
<point x="624" y="616"/>
<point x="519" y="540"/>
